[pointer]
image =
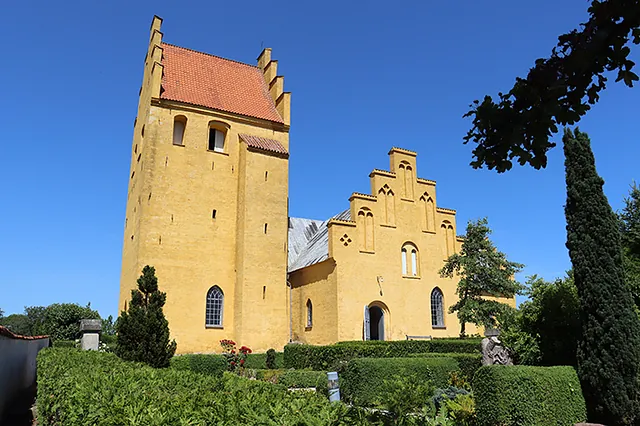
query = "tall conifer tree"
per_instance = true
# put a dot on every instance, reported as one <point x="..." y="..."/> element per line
<point x="142" y="330"/>
<point x="609" y="348"/>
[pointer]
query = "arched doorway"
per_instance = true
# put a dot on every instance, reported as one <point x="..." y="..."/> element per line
<point x="374" y="319"/>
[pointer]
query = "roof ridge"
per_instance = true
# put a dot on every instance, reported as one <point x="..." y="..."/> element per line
<point x="212" y="55"/>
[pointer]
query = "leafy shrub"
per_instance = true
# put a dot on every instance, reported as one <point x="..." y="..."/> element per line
<point x="64" y="343"/>
<point x="213" y="365"/>
<point x="270" y="361"/>
<point x="462" y="410"/>
<point x="236" y="358"/>
<point x="324" y="357"/>
<point x="468" y="363"/>
<point x="405" y="395"/>
<point x="78" y="388"/>
<point x="259" y="361"/>
<point x="442" y="395"/>
<point x="526" y="395"/>
<point x="298" y="379"/>
<point x="362" y="382"/>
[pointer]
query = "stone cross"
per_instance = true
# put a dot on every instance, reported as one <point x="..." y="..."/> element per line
<point x="90" y="329"/>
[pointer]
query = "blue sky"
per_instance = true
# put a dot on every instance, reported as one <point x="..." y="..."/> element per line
<point x="365" y="76"/>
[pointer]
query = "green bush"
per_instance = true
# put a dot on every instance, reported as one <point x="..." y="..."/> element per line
<point x="78" y="388"/>
<point x="259" y="361"/>
<point x="525" y="395"/>
<point x="325" y="357"/>
<point x="295" y="379"/>
<point x="271" y="362"/>
<point x="468" y="363"/>
<point x="212" y="365"/>
<point x="64" y="343"/>
<point x="363" y="381"/>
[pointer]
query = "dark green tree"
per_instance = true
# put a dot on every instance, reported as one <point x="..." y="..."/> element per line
<point x="609" y="345"/>
<point x="483" y="271"/>
<point x="630" y="231"/>
<point x="142" y="330"/>
<point x="17" y="323"/>
<point x="108" y="326"/>
<point x="546" y="328"/>
<point x="60" y="321"/>
<point x="558" y="90"/>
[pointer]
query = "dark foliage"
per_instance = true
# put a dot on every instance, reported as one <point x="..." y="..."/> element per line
<point x="18" y="324"/>
<point x="270" y="361"/>
<point x="526" y="395"/>
<point x="482" y="270"/>
<point x="630" y="230"/>
<point x="143" y="331"/>
<point x="212" y="365"/>
<point x="609" y="346"/>
<point x="322" y="358"/>
<point x="468" y="363"/>
<point x="558" y="90"/>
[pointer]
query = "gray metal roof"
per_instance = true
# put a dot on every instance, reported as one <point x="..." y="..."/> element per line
<point x="309" y="240"/>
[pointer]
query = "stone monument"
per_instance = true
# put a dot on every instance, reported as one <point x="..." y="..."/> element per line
<point x="90" y="330"/>
<point x="493" y="351"/>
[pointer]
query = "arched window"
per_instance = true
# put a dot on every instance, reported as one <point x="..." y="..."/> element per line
<point x="429" y="212"/>
<point x="309" y="313"/>
<point x="215" y="299"/>
<point x="365" y="225"/>
<point x="410" y="260"/>
<point x="437" y="308"/>
<point x="217" y="135"/>
<point x="179" y="125"/>
<point x="449" y="237"/>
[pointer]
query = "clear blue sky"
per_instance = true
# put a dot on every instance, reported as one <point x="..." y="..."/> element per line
<point x="365" y="76"/>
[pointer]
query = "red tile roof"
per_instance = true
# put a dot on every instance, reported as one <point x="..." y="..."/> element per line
<point x="4" y="331"/>
<point x="210" y="81"/>
<point x="264" y="144"/>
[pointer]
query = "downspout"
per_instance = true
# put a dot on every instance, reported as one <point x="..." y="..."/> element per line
<point x="290" y="310"/>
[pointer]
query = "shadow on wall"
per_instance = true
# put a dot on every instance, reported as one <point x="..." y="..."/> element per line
<point x="18" y="371"/>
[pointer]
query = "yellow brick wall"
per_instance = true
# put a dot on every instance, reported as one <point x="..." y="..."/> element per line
<point x="365" y="277"/>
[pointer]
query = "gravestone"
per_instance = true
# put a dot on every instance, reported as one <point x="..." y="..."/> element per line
<point x="493" y="351"/>
<point x="90" y="330"/>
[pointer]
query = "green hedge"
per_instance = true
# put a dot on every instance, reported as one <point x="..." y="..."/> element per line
<point x="64" y="343"/>
<point x="78" y="388"/>
<point x="296" y="379"/>
<point x="213" y="365"/>
<point x="325" y="357"/>
<point x="468" y="363"/>
<point x="259" y="361"/>
<point x="525" y="395"/>
<point x="362" y="381"/>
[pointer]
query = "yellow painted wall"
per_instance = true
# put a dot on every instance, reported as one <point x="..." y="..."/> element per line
<point x="316" y="283"/>
<point x="373" y="276"/>
<point x="169" y="223"/>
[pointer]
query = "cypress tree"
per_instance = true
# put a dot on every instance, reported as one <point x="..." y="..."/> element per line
<point x="609" y="349"/>
<point x="142" y="330"/>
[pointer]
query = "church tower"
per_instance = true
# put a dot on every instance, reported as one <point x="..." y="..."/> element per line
<point x="207" y="196"/>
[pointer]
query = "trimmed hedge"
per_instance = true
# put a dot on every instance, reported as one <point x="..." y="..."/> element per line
<point x="64" y="343"/>
<point x="296" y="379"/>
<point x="78" y="388"/>
<point x="362" y="382"/>
<point x="212" y="365"/>
<point x="526" y="395"/>
<point x="259" y="361"/>
<point x="468" y="363"/>
<point x="325" y="357"/>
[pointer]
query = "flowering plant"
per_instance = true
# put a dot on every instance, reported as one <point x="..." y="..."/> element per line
<point x="236" y="358"/>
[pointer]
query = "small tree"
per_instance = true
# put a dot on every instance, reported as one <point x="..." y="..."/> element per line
<point x="609" y="345"/>
<point x="142" y="330"/>
<point x="483" y="271"/>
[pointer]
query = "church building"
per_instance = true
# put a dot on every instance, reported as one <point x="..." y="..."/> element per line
<point x="208" y="208"/>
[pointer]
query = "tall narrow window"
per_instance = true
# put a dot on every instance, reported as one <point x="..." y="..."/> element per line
<point x="404" y="261"/>
<point x="365" y="226"/>
<point x="449" y="237"/>
<point x="216" y="140"/>
<point x="215" y="299"/>
<point x="437" y="308"/>
<point x="309" y="313"/>
<point x="414" y="262"/>
<point x="410" y="260"/>
<point x="179" y="125"/>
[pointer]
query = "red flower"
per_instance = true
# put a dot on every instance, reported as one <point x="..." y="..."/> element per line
<point x="242" y="362"/>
